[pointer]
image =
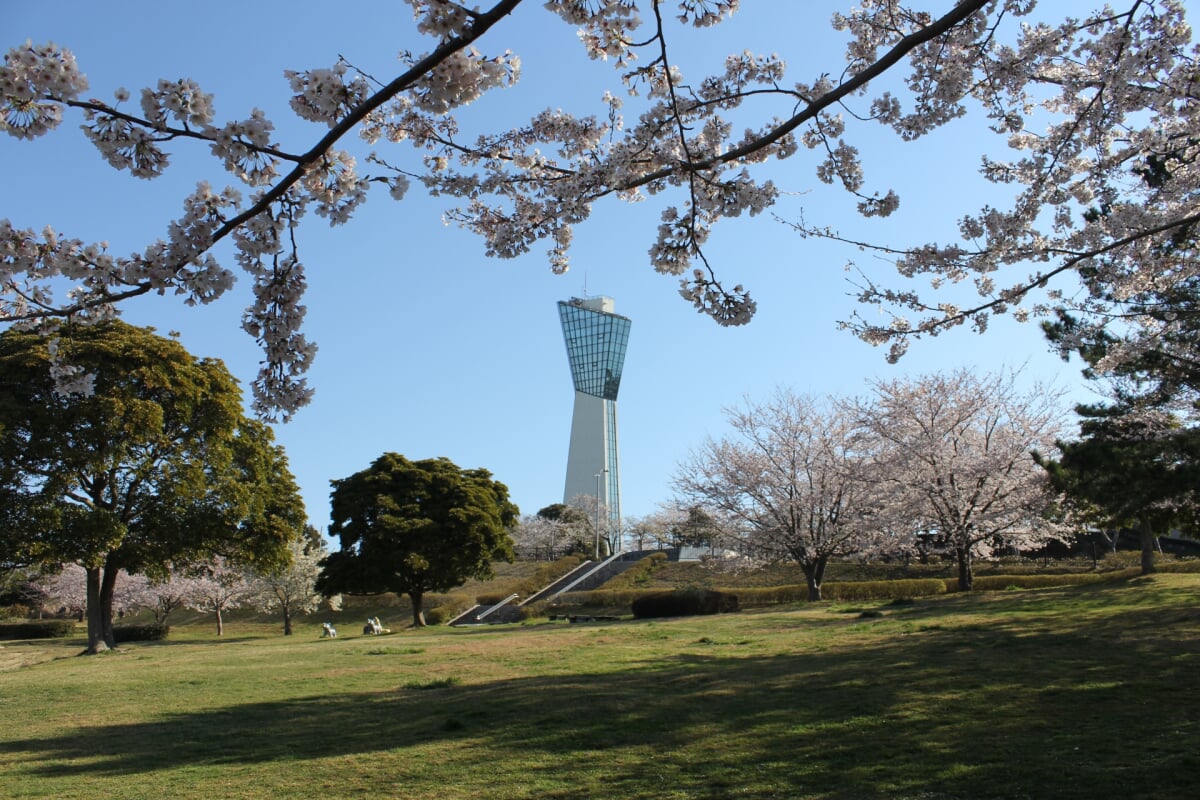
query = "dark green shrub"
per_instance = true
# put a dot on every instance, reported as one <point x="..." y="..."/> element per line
<point x="150" y="632"/>
<point x="38" y="629"/>
<point x="534" y="611"/>
<point x="683" y="603"/>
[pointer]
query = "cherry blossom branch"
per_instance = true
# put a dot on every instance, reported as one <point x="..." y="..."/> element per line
<point x="481" y="23"/>
<point x="932" y="326"/>
<point x="963" y="11"/>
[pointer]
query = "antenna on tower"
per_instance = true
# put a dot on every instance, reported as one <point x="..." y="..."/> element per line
<point x="585" y="294"/>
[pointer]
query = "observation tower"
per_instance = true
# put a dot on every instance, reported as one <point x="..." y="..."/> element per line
<point x="596" y="339"/>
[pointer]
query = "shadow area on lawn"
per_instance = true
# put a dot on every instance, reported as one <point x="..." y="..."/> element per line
<point x="1005" y="711"/>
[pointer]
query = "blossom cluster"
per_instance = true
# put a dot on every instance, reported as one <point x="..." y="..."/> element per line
<point x="604" y="27"/>
<point x="34" y="82"/>
<point x="243" y="145"/>
<point x="442" y="19"/>
<point x="462" y="78"/>
<point x="325" y="95"/>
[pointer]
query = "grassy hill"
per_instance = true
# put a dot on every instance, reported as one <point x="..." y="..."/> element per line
<point x="1081" y="692"/>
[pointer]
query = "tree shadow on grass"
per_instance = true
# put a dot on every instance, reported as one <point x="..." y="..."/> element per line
<point x="1003" y="711"/>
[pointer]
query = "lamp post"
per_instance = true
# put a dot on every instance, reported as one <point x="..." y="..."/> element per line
<point x="598" y="474"/>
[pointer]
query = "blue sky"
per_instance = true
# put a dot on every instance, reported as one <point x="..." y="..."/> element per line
<point x="427" y="347"/>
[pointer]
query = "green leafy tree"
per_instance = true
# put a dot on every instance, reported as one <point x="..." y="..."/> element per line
<point x="149" y="463"/>
<point x="414" y="527"/>
<point x="1133" y="467"/>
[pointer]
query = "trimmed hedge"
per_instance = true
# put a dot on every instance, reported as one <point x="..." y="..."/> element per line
<point x="441" y="608"/>
<point x="904" y="589"/>
<point x="598" y="599"/>
<point x="39" y="629"/>
<point x="988" y="583"/>
<point x="492" y="599"/>
<point x="150" y="632"/>
<point x="1191" y="565"/>
<point x="759" y="596"/>
<point x="684" y="603"/>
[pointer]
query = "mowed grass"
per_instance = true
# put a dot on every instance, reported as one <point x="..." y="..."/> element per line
<point x="1075" y="693"/>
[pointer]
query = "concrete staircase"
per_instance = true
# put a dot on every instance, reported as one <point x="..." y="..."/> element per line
<point x="603" y="572"/>
<point x="588" y="575"/>
<point x="504" y="611"/>
<point x="560" y="585"/>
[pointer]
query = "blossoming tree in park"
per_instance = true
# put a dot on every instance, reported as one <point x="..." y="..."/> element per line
<point x="956" y="460"/>
<point x="292" y="588"/>
<point x="67" y="588"/>
<point x="168" y="593"/>
<point x="1098" y="111"/>
<point x="797" y="475"/>
<point x="217" y="586"/>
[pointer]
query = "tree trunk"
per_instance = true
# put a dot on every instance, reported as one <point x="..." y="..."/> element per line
<point x="108" y="587"/>
<point x="814" y="575"/>
<point x="417" y="610"/>
<point x="95" y="625"/>
<point x="1148" y="540"/>
<point x="287" y="620"/>
<point x="966" y="576"/>
<point x="1113" y="541"/>
<point x="220" y="623"/>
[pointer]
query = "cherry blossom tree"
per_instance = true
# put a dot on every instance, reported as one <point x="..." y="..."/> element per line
<point x="1098" y="115"/>
<point x="575" y="523"/>
<point x="603" y="537"/>
<point x="292" y="588"/>
<point x="1087" y="105"/>
<point x="537" y="537"/>
<point x="654" y="530"/>
<point x="218" y="586"/>
<point x="67" y="588"/>
<point x="796" y="474"/>
<point x="166" y="594"/>
<point x="957" y="455"/>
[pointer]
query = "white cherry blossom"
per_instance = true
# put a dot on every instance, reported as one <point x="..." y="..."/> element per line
<point x="1098" y="116"/>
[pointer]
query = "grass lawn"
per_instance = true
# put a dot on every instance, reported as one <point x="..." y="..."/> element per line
<point x="1084" y="692"/>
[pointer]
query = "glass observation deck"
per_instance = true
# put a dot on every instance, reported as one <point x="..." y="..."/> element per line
<point x="596" y="341"/>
